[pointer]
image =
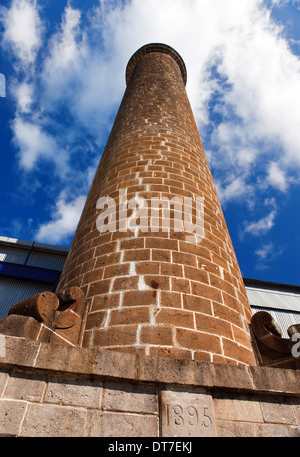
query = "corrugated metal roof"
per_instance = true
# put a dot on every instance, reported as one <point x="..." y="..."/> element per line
<point x="14" y="290"/>
<point x="27" y="244"/>
<point x="14" y="241"/>
<point x="13" y="254"/>
<point x="274" y="299"/>
<point x="51" y="248"/>
<point x="37" y="258"/>
<point x="46" y="260"/>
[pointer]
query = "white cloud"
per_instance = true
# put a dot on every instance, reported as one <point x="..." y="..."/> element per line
<point x="264" y="224"/>
<point x="234" y="188"/>
<point x="2" y="85"/>
<point x="32" y="142"/>
<point x="265" y="251"/>
<point x="261" y="226"/>
<point x="78" y="75"/>
<point x="24" y="96"/>
<point x="276" y="177"/>
<point x="66" y="49"/>
<point x="281" y="3"/>
<point x="267" y="254"/>
<point x="265" y="78"/>
<point x="64" y="67"/>
<point x="35" y="144"/>
<point x="64" y="220"/>
<point x="23" y="29"/>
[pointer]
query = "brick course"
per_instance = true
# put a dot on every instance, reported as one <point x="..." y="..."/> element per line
<point x="153" y="290"/>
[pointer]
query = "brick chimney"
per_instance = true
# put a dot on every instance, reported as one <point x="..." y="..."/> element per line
<point x="155" y="282"/>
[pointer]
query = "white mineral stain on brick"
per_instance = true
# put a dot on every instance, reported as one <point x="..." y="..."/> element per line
<point x="153" y="312"/>
<point x="158" y="296"/>
<point x="140" y="179"/>
<point x="132" y="269"/>
<point x="142" y="285"/>
<point x="107" y="319"/>
<point x="138" y="334"/>
<point x="221" y="272"/>
<point x="111" y="285"/>
<point x="136" y="228"/>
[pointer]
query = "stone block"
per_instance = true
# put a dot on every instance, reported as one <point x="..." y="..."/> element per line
<point x="238" y="352"/>
<point x="53" y="421"/>
<point x="177" y="317"/>
<point x="3" y="382"/>
<point x="74" y="393"/>
<point x="65" y="358"/>
<point x="23" y="386"/>
<point x="11" y="416"/>
<point x="237" y="408"/>
<point x="198" y="341"/>
<point x="296" y="407"/>
<point x="157" y="335"/>
<point x="295" y="431"/>
<point x="231" y="377"/>
<point x="116" y="336"/>
<point x="278" y="410"/>
<point x="187" y="413"/>
<point x="168" y="370"/>
<point x="19" y="351"/>
<point x="20" y="326"/>
<point x="130" y="398"/>
<point x="115" y="364"/>
<point x="135" y="315"/>
<point x="250" y="430"/>
<point x="272" y="431"/>
<point x="109" y="424"/>
<point x="228" y="429"/>
<point x="275" y="380"/>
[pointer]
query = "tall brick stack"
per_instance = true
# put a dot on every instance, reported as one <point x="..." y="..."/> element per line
<point x="155" y="291"/>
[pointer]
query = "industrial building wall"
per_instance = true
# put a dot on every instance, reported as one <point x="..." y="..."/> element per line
<point x="13" y="290"/>
<point x="33" y="255"/>
<point x="27" y="268"/>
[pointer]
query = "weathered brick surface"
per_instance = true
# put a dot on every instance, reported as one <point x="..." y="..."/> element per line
<point x="93" y="392"/>
<point x="154" y="151"/>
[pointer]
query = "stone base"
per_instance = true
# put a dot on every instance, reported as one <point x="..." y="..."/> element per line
<point x="62" y="391"/>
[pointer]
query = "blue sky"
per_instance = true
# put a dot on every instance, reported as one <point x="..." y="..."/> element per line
<point x="64" y="66"/>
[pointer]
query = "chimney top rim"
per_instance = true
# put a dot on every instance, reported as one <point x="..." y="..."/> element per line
<point x="155" y="47"/>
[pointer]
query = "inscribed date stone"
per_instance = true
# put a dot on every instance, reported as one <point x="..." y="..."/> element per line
<point x="187" y="414"/>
